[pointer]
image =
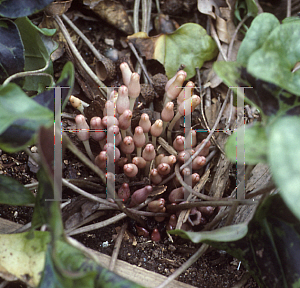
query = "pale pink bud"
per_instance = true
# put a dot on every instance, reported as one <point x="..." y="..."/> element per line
<point x="139" y="137"/>
<point x="96" y="124"/>
<point x="124" y="192"/>
<point x="183" y="156"/>
<point x="110" y="121"/>
<point x="125" y="120"/>
<point x="139" y="196"/>
<point x="167" y="113"/>
<point x="176" y="194"/>
<point x="178" y="143"/>
<point x="198" y="162"/>
<point x="186" y="171"/>
<point x="171" y="159"/>
<point x="145" y="122"/>
<point x="83" y="134"/>
<point x="205" y="150"/>
<point x="156" y="205"/>
<point x="157" y="128"/>
<point x="127" y="145"/>
<point x="163" y="169"/>
<point x="158" y="159"/>
<point x="149" y="152"/>
<point x="195" y="179"/>
<point x="109" y="108"/>
<point x="134" y="87"/>
<point x="140" y="162"/>
<point x="173" y="89"/>
<point x="126" y="73"/>
<point x="118" y="139"/>
<point x="192" y="103"/>
<point x="155" y="177"/>
<point x="123" y="100"/>
<point x="113" y="152"/>
<point x="155" y="235"/>
<point x="100" y="160"/>
<point x="130" y="170"/>
<point x="186" y="93"/>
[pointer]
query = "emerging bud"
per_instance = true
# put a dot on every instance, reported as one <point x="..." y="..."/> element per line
<point x="124" y="192"/>
<point x="145" y="123"/>
<point x="130" y="170"/>
<point x="123" y="100"/>
<point x="126" y="73"/>
<point x="139" y="196"/>
<point x="83" y="134"/>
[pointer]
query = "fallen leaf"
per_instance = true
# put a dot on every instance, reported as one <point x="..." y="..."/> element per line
<point x="189" y="45"/>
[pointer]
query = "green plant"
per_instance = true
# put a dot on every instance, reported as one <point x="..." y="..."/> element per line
<point x="267" y="61"/>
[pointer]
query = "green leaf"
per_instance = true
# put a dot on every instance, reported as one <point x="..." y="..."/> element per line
<point x="66" y="80"/>
<point x="21" y="8"/>
<point x="11" y="50"/>
<point x="269" y="247"/>
<point x="284" y="155"/>
<point x="260" y="29"/>
<point x="19" y="113"/>
<point x="38" y="46"/>
<point x="14" y="193"/>
<point x="188" y="45"/>
<point x="224" y="234"/>
<point x="255" y="145"/>
<point x="275" y="60"/>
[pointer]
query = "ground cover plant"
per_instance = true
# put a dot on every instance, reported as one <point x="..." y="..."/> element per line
<point x="157" y="158"/>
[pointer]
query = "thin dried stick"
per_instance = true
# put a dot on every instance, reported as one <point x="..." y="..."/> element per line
<point x="117" y="247"/>
<point x="216" y="38"/>
<point x="289" y="8"/>
<point x="77" y="54"/>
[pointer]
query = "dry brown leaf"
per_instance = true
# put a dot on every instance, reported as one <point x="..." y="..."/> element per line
<point x="221" y="26"/>
<point x="207" y="7"/>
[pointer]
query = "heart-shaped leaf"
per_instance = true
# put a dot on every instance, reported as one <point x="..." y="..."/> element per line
<point x="189" y="45"/>
<point x="284" y="155"/>
<point x="275" y="60"/>
<point x="260" y="29"/>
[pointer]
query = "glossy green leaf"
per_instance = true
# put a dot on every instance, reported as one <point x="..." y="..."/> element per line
<point x="21" y="8"/>
<point x="188" y="45"/>
<point x="260" y="29"/>
<point x="19" y="113"/>
<point x="14" y="193"/>
<point x="12" y="59"/>
<point x="284" y="155"/>
<point x="269" y="246"/>
<point x="38" y="46"/>
<point x="275" y="60"/>
<point x="255" y="145"/>
<point x="21" y="132"/>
